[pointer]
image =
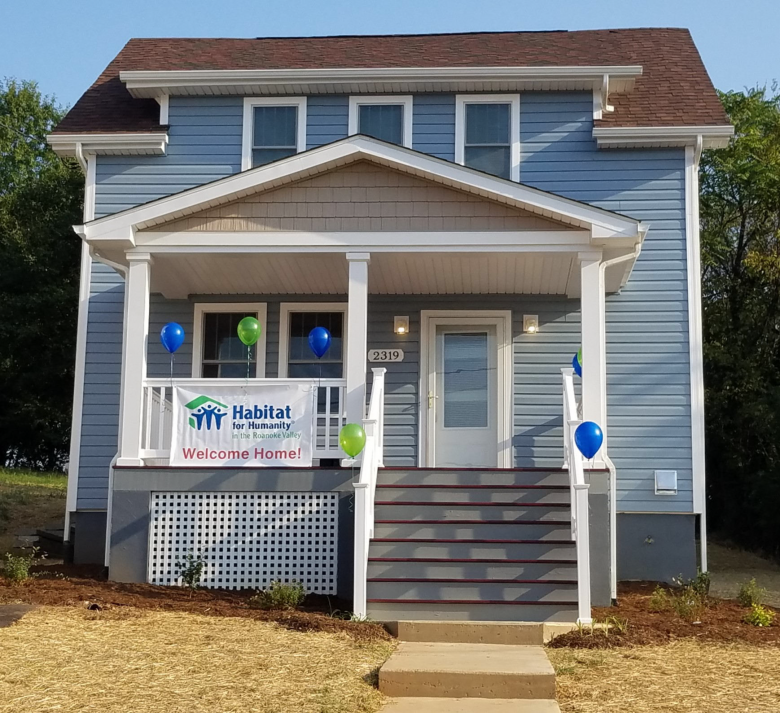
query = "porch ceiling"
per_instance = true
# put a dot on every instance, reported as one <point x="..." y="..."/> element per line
<point x="180" y="275"/>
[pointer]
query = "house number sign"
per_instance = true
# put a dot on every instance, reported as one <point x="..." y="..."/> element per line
<point x="384" y="355"/>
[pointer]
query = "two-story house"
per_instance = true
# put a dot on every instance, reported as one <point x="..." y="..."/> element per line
<point x="463" y="213"/>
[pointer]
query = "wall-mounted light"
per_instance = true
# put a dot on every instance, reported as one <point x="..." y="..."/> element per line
<point x="401" y="325"/>
<point x="530" y="323"/>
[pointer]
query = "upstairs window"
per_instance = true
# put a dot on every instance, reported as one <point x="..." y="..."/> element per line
<point x="487" y="134"/>
<point x="385" y="118"/>
<point x="274" y="128"/>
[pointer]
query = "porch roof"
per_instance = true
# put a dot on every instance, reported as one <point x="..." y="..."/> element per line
<point x="542" y="225"/>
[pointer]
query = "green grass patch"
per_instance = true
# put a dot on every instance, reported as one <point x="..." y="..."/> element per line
<point x="33" y="479"/>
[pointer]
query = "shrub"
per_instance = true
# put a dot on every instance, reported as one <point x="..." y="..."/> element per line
<point x="279" y="596"/>
<point x="759" y="616"/>
<point x="17" y="567"/>
<point x="751" y="594"/>
<point x="690" y="599"/>
<point x="660" y="600"/>
<point x="190" y="570"/>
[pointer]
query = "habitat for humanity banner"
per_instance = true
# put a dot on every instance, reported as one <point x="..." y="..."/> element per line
<point x="262" y="425"/>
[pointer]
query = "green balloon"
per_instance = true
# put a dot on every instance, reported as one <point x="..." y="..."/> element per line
<point x="579" y="355"/>
<point x="352" y="439"/>
<point x="249" y="330"/>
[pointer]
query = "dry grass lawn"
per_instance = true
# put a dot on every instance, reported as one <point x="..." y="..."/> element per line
<point x="681" y="677"/>
<point x="132" y="661"/>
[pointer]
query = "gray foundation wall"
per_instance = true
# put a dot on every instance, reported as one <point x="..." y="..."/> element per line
<point x="598" y="500"/>
<point x="656" y="547"/>
<point x="133" y="488"/>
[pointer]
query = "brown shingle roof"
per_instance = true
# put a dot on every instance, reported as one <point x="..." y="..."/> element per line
<point x="674" y="89"/>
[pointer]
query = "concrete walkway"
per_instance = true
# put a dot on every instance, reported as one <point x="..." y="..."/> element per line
<point x="11" y="613"/>
<point x="469" y="667"/>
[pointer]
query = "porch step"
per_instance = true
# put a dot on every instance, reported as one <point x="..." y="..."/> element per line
<point x="469" y="476"/>
<point x="454" y="670"/>
<point x="511" y="494"/>
<point x="475" y="530"/>
<point x="519" y="633"/>
<point x="379" y="568"/>
<point x="469" y="705"/>
<point x="456" y="548"/>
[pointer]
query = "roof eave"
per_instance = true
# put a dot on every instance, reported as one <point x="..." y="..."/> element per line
<point x="151" y="143"/>
<point x="712" y="137"/>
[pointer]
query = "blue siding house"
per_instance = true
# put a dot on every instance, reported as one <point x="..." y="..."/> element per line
<point x="473" y="218"/>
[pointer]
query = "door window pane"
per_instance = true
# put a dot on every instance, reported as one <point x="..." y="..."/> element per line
<point x="224" y="354"/>
<point x="488" y="141"/>
<point x="382" y="121"/>
<point x="274" y="133"/>
<point x="301" y="362"/>
<point x="465" y="380"/>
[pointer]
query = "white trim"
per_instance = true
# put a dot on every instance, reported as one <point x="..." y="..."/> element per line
<point x="285" y="308"/>
<point x="331" y="80"/>
<point x="85" y="287"/>
<point x="130" y="144"/>
<point x="713" y="137"/>
<point x="461" y="100"/>
<point x="695" y="338"/>
<point x="202" y="308"/>
<point x="502" y="320"/>
<point x="404" y="101"/>
<point x="247" y="131"/>
<point x="164" y="101"/>
<point x="121" y="227"/>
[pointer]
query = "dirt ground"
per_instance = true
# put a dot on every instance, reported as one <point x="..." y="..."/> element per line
<point x="721" y="623"/>
<point x="130" y="660"/>
<point x="685" y="676"/>
<point x="29" y="501"/>
<point x="731" y="567"/>
<point x="72" y="586"/>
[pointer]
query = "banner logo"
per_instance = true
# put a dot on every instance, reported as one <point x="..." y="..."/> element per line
<point x="206" y="411"/>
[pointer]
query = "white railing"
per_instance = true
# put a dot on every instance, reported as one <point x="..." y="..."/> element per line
<point x="365" y="487"/>
<point x="580" y="511"/>
<point x="157" y="428"/>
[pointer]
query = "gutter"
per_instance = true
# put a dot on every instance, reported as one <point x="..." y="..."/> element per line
<point x="607" y="460"/>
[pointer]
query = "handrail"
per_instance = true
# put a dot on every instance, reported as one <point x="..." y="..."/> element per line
<point x="578" y="488"/>
<point x="365" y="488"/>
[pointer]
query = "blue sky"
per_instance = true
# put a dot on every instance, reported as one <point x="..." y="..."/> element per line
<point x="65" y="45"/>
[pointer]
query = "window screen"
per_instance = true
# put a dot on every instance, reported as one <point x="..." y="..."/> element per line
<point x="488" y="138"/>
<point x="465" y="380"/>
<point x="301" y="362"/>
<point x="382" y="121"/>
<point x="275" y="133"/>
<point x="224" y="355"/>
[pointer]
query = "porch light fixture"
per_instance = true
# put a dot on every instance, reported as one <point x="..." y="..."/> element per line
<point x="530" y="323"/>
<point x="401" y="325"/>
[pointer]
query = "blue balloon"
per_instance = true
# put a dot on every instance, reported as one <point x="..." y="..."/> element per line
<point x="588" y="438"/>
<point x="172" y="336"/>
<point x="577" y="366"/>
<point x="319" y="341"/>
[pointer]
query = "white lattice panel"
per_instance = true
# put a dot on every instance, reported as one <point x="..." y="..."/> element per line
<point x="246" y="540"/>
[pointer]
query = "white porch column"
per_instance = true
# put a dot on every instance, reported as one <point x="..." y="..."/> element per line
<point x="594" y="350"/>
<point x="357" y="336"/>
<point x="136" y="336"/>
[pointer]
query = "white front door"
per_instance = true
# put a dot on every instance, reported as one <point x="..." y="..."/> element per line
<point x="463" y="397"/>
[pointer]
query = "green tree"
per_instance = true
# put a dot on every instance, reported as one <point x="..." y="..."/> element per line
<point x="740" y="221"/>
<point x="40" y="199"/>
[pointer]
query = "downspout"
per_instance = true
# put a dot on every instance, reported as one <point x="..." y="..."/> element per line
<point x="607" y="460"/>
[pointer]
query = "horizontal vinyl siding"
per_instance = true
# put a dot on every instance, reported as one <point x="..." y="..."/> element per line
<point x="327" y="120"/>
<point x="648" y="368"/>
<point x="433" y="125"/>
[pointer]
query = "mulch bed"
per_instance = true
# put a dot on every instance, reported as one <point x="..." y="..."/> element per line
<point x="85" y="586"/>
<point x="721" y="622"/>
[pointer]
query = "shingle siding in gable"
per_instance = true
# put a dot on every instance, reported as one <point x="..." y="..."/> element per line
<point x="648" y="372"/>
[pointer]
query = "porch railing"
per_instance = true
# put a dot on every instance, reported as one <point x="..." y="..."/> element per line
<point x="157" y="429"/>
<point x="365" y="487"/>
<point x="580" y="511"/>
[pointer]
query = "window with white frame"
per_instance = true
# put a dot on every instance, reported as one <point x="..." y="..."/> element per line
<point x="388" y="118"/>
<point x="487" y="134"/>
<point x="296" y="360"/>
<point x="218" y="353"/>
<point x="274" y="128"/>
